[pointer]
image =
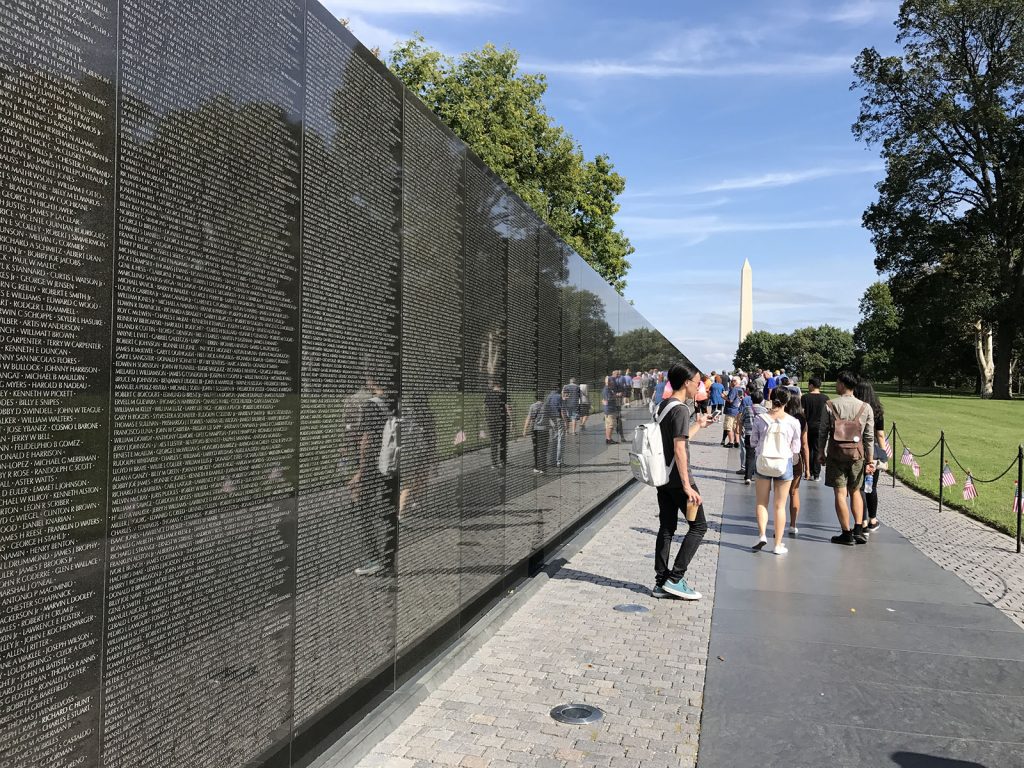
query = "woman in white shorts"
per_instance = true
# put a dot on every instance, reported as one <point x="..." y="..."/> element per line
<point x="766" y="442"/>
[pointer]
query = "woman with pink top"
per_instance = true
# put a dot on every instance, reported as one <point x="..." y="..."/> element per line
<point x="776" y="438"/>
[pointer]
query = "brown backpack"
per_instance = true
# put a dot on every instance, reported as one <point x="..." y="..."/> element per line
<point x="846" y="444"/>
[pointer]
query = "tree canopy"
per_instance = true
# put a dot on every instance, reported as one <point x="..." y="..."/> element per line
<point x="498" y="111"/>
<point x="822" y="351"/>
<point x="948" y="116"/>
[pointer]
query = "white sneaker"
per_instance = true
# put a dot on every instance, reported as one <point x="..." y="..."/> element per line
<point x="780" y="549"/>
<point x="793" y="530"/>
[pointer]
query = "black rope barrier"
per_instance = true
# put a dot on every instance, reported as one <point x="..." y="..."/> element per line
<point x="966" y="471"/>
<point x="942" y="443"/>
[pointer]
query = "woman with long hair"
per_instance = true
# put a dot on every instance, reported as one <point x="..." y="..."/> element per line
<point x="865" y="392"/>
<point x="770" y="429"/>
<point x="801" y="464"/>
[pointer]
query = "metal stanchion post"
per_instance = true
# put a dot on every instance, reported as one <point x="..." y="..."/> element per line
<point x="942" y="463"/>
<point x="1019" y="501"/>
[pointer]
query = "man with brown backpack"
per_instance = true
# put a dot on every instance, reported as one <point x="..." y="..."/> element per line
<point x="846" y="438"/>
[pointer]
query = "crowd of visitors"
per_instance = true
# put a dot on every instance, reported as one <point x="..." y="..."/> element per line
<point x="785" y="436"/>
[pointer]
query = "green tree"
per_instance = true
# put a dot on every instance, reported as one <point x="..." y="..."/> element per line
<point x="876" y="333"/>
<point x="761" y="349"/>
<point x="498" y="111"/>
<point x="948" y="116"/>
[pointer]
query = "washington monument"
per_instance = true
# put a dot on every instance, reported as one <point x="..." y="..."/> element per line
<point x="746" y="300"/>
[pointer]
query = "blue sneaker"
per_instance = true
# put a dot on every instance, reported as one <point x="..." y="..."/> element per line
<point x="681" y="589"/>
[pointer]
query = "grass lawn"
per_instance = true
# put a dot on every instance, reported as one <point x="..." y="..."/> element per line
<point x="982" y="434"/>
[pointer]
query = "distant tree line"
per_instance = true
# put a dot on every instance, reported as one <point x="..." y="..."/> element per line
<point x="806" y="352"/>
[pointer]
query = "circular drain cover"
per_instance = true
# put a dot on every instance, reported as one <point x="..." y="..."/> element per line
<point x="631" y="608"/>
<point x="576" y="714"/>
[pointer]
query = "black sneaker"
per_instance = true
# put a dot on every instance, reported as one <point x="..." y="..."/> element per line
<point x="741" y="472"/>
<point x="873" y="526"/>
<point x="845" y="538"/>
<point x="859" y="537"/>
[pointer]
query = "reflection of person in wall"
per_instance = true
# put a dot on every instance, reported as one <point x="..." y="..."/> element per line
<point x="554" y="412"/>
<point x="584" y="405"/>
<point x="537" y="427"/>
<point x="371" y="491"/>
<point x="571" y="398"/>
<point x="611" y="405"/>
<point x="419" y="451"/>
<point x="497" y="413"/>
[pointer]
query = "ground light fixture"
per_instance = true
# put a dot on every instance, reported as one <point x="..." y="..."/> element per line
<point x="576" y="714"/>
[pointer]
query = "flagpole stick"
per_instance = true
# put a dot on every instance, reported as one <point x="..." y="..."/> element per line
<point x="892" y="444"/>
<point x="942" y="464"/>
<point x="1019" y="501"/>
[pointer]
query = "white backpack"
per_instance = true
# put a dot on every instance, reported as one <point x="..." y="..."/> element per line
<point x="774" y="458"/>
<point x="647" y="459"/>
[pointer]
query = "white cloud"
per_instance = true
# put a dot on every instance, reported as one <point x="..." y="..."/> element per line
<point x="788" y="178"/>
<point x="760" y="181"/>
<point x="801" y="65"/>
<point x="414" y="7"/>
<point x="647" y="227"/>
<point x="373" y="36"/>
<point x="857" y="12"/>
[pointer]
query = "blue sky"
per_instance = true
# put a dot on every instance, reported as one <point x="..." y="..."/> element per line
<point x="731" y="125"/>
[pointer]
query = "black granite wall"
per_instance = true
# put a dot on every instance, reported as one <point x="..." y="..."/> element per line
<point x="233" y="250"/>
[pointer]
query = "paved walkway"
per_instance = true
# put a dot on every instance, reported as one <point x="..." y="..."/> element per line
<point x="861" y="656"/>
<point x="866" y="656"/>
<point x="567" y="645"/>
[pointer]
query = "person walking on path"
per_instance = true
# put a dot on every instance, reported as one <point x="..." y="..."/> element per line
<point x="801" y="466"/>
<point x="774" y="434"/>
<point x="813" y="404"/>
<point x="846" y="437"/>
<point x="717" y="397"/>
<point x="750" y="414"/>
<point x="677" y="427"/>
<point x="701" y="398"/>
<point x="741" y="434"/>
<point x="659" y="389"/>
<point x="865" y="392"/>
<point x="733" y="402"/>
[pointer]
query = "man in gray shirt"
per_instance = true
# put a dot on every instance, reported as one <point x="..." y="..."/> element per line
<point x="845" y="474"/>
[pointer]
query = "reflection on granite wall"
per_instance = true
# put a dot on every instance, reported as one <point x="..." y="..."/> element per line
<point x="271" y="336"/>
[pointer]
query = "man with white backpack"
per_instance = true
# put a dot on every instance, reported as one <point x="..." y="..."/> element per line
<point x="675" y="417"/>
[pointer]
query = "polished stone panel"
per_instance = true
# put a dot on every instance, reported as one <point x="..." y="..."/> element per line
<point x="431" y="377"/>
<point x="200" y="616"/>
<point x="347" y="517"/>
<point x="56" y="238"/>
<point x="486" y="409"/>
<point x="271" y="337"/>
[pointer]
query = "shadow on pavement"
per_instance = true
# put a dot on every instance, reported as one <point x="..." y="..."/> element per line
<point x="918" y="760"/>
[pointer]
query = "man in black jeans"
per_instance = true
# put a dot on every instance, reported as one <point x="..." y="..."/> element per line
<point x="676" y="430"/>
<point x="813" y="404"/>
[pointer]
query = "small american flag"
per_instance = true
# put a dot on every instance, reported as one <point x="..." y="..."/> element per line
<point x="888" y="449"/>
<point x="970" y="492"/>
<point x="916" y="467"/>
<point x="947" y="477"/>
<point x="1017" y="503"/>
<point x="907" y="457"/>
